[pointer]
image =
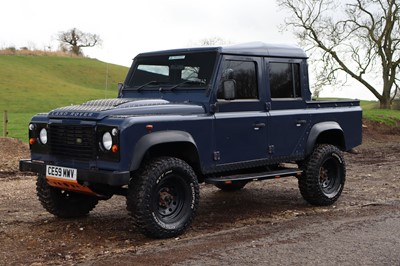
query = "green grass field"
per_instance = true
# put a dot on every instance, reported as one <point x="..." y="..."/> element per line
<point x="388" y="117"/>
<point x="372" y="113"/>
<point x="34" y="84"/>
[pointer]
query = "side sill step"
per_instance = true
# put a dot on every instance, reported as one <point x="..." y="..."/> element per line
<point x="255" y="176"/>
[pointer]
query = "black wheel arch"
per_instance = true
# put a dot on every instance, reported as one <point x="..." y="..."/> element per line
<point x="325" y="133"/>
<point x="174" y="143"/>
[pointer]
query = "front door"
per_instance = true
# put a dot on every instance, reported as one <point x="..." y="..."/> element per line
<point x="240" y="126"/>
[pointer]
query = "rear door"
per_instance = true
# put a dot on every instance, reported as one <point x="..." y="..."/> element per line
<point x="289" y="118"/>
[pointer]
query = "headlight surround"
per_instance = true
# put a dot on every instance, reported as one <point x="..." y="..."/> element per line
<point x="43" y="136"/>
<point x="39" y="137"/>
<point x="107" y="141"/>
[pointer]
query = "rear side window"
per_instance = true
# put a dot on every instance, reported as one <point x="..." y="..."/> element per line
<point x="284" y="80"/>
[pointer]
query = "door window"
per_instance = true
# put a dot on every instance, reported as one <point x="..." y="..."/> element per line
<point x="284" y="80"/>
<point x="243" y="73"/>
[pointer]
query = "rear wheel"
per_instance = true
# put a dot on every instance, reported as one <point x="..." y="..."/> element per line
<point x="163" y="197"/>
<point x="63" y="203"/>
<point x="324" y="176"/>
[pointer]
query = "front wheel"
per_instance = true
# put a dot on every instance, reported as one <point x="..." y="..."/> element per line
<point x="163" y="197"/>
<point x="63" y="203"/>
<point x="324" y="176"/>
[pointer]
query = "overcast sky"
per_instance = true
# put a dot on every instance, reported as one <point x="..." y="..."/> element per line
<point x="130" y="27"/>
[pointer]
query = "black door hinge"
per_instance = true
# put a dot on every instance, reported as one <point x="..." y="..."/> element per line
<point x="217" y="156"/>
<point x="271" y="149"/>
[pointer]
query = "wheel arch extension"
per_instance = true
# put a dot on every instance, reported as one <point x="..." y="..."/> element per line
<point x="174" y="143"/>
<point x="325" y="132"/>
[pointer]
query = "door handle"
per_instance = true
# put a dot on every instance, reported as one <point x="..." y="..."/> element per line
<point x="300" y="122"/>
<point x="257" y="126"/>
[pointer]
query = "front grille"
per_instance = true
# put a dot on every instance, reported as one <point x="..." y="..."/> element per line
<point x="73" y="141"/>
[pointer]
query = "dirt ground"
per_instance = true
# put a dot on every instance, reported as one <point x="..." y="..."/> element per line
<point x="31" y="236"/>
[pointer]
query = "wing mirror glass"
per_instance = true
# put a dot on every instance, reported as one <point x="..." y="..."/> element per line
<point x="229" y="89"/>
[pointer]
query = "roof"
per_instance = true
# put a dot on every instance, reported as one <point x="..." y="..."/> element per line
<point x="265" y="49"/>
<point x="252" y="48"/>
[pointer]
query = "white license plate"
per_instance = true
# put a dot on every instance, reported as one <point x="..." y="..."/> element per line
<point x="61" y="172"/>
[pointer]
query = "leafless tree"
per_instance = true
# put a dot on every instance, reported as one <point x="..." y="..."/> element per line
<point x="357" y="38"/>
<point x="212" y="41"/>
<point x="76" y="40"/>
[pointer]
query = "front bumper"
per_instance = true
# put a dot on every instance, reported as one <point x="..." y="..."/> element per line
<point x="112" y="178"/>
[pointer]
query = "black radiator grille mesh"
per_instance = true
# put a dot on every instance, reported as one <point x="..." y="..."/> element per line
<point x="73" y="141"/>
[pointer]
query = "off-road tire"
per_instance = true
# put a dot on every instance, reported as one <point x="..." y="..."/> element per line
<point x="234" y="186"/>
<point x="63" y="203"/>
<point x="163" y="197"/>
<point x="324" y="176"/>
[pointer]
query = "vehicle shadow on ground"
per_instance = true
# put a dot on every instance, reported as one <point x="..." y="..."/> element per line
<point x="251" y="205"/>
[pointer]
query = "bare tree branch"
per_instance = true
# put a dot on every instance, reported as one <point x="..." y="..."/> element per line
<point x="358" y="38"/>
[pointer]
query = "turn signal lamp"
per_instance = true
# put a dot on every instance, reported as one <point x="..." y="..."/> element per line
<point x="114" y="148"/>
<point x="149" y="128"/>
<point x="32" y="141"/>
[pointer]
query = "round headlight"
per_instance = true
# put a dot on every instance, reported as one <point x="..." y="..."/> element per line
<point x="43" y="136"/>
<point x="107" y="141"/>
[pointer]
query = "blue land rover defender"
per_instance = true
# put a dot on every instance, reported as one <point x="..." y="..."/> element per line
<point x="220" y="115"/>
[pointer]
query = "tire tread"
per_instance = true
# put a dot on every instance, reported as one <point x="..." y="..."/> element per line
<point x="140" y="193"/>
<point x="309" y="181"/>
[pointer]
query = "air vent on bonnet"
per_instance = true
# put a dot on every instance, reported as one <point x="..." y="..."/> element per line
<point x="94" y="106"/>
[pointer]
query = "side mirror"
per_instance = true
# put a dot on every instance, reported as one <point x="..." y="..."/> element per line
<point x="229" y="89"/>
<point x="120" y="87"/>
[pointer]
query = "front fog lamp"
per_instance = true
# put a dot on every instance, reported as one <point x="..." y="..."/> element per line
<point x="107" y="141"/>
<point x="43" y="136"/>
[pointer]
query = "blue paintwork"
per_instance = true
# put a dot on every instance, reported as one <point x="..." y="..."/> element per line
<point x="226" y="135"/>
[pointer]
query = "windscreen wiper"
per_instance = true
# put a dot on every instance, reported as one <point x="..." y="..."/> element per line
<point x="197" y="82"/>
<point x="146" y="84"/>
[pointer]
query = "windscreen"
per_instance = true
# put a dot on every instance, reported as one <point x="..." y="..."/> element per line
<point x="192" y="70"/>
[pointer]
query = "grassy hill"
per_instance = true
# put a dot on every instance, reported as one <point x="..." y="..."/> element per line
<point x="34" y="84"/>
